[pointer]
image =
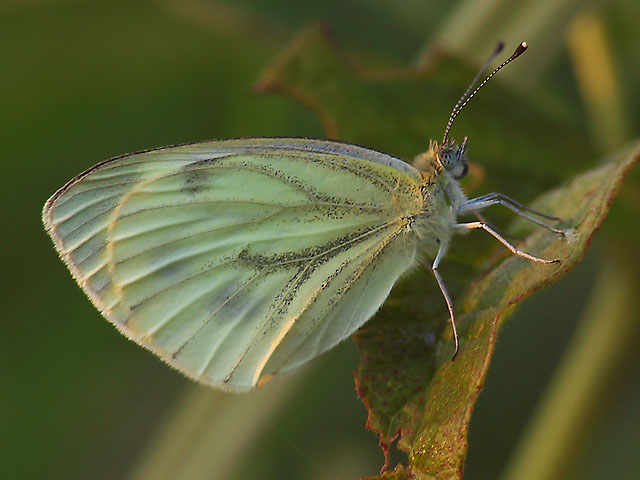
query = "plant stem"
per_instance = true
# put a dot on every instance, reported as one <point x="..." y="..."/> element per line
<point x="474" y="27"/>
<point x="208" y="434"/>
<point x="561" y="422"/>
<point x="597" y="79"/>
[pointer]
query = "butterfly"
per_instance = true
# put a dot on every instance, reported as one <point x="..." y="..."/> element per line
<point x="237" y="260"/>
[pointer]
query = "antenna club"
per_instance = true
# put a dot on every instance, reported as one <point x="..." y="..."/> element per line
<point x="521" y="49"/>
<point x="498" y="49"/>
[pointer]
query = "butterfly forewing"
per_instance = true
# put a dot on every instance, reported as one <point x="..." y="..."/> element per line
<point x="237" y="260"/>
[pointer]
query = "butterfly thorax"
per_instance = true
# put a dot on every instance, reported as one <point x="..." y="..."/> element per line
<point x="440" y="166"/>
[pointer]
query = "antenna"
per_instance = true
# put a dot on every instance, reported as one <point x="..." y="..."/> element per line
<point x="496" y="51"/>
<point x="462" y="102"/>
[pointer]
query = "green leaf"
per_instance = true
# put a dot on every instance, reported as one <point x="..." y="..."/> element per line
<point x="406" y="377"/>
<point x="411" y="386"/>
<point x="396" y="110"/>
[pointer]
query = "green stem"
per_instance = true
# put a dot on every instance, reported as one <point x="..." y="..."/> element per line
<point x="597" y="80"/>
<point x="208" y="434"/>
<point x="561" y="423"/>
<point x="474" y="27"/>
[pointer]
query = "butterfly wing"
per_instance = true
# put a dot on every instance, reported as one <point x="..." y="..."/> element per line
<point x="237" y="260"/>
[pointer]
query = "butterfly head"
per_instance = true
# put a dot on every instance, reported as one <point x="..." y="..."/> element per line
<point x="443" y="157"/>
<point x="452" y="157"/>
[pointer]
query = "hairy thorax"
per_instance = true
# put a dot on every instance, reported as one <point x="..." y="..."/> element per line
<point x="435" y="223"/>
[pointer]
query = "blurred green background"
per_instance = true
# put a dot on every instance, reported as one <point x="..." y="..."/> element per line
<point x="83" y="81"/>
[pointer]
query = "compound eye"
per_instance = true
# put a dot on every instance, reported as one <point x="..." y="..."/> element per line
<point x="445" y="158"/>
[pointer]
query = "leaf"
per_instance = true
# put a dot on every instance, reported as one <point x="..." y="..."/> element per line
<point x="397" y="110"/>
<point x="409" y="383"/>
<point x="406" y="378"/>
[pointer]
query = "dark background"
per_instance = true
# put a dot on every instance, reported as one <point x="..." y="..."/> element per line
<point x="82" y="81"/>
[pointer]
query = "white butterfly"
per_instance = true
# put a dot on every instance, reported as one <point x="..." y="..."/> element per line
<point x="237" y="260"/>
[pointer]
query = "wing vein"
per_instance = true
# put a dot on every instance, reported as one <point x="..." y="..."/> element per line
<point x="347" y="286"/>
<point x="307" y="305"/>
<point x="212" y="315"/>
<point x="193" y="254"/>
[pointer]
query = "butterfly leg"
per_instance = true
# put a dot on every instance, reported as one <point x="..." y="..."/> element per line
<point x="447" y="298"/>
<point x="483" y="219"/>
<point x="506" y="199"/>
<point x="495" y="198"/>
<point x="497" y="236"/>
